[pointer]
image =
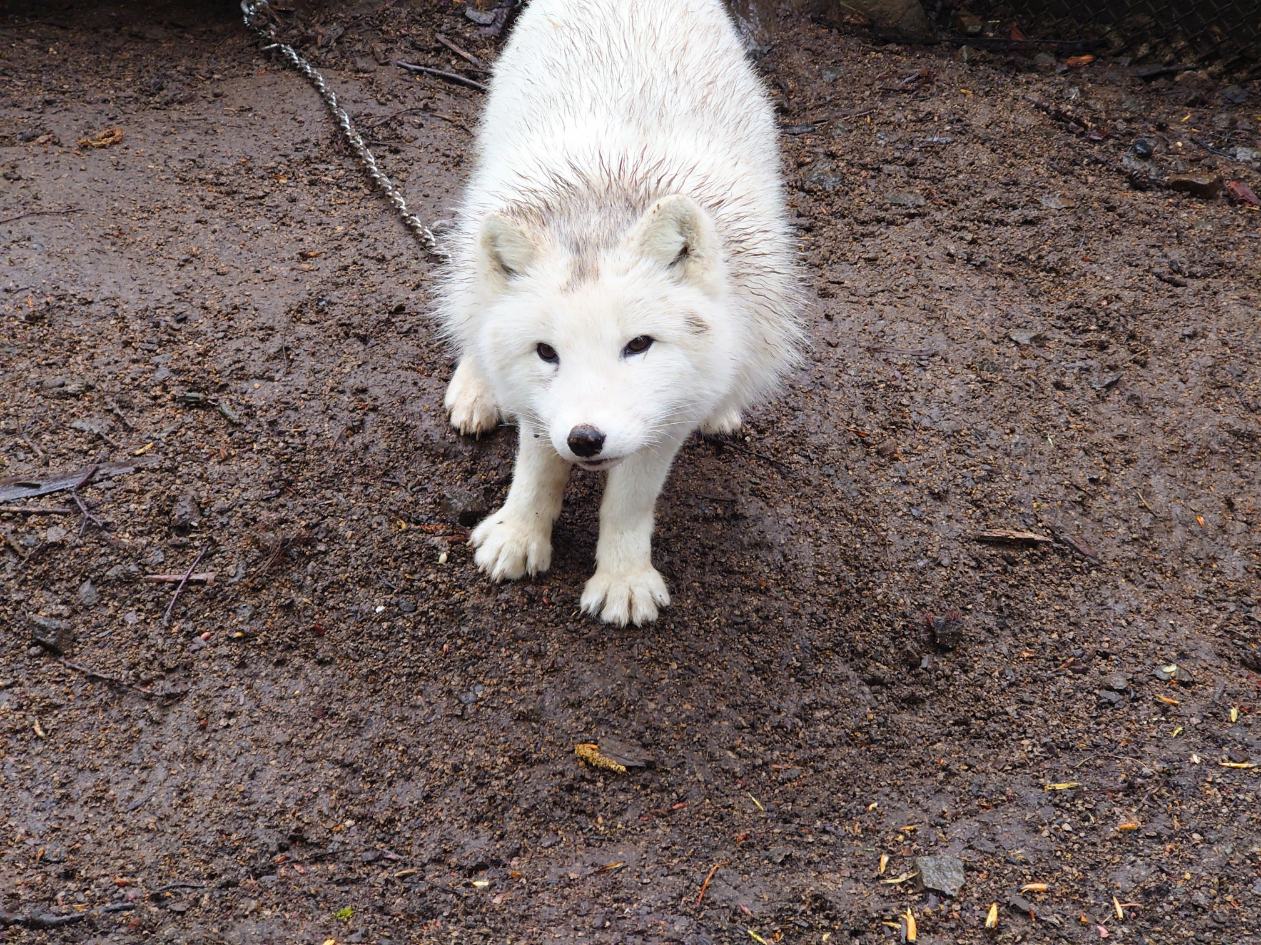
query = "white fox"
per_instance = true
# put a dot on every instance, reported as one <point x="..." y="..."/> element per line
<point x="621" y="271"/>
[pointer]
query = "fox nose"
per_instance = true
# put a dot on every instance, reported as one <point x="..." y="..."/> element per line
<point x="585" y="440"/>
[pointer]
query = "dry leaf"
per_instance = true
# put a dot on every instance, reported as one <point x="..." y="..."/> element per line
<point x="590" y="753"/>
<point x="1127" y="826"/>
<point x="1167" y="700"/>
<point x="898" y="880"/>
<point x="1034" y="887"/>
<point x="912" y="933"/>
<point x="1076" y="62"/>
<point x="1244" y="765"/>
<point x="102" y="139"/>
<point x="991" y="918"/>
<point x="884" y="864"/>
<point x="1116" y="904"/>
<point x="1062" y="786"/>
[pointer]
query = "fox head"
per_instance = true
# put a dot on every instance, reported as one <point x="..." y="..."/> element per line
<point x="609" y="351"/>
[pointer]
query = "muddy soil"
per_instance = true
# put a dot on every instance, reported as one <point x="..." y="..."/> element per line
<point x="351" y="735"/>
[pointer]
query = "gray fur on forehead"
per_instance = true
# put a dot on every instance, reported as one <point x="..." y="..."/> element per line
<point x="589" y="210"/>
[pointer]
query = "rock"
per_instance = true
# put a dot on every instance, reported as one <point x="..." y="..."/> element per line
<point x="185" y="514"/>
<point x="1117" y="682"/>
<point x="88" y="594"/>
<point x="465" y="506"/>
<point x="1235" y="94"/>
<point x="1174" y="671"/>
<point x="1044" y="62"/>
<point x="1206" y="188"/>
<point x="1142" y="148"/>
<point x="943" y="873"/>
<point x="823" y="175"/>
<point x="1109" y="697"/>
<point x="1053" y="202"/>
<point x="906" y="198"/>
<point x="1025" y="336"/>
<point x="65" y="386"/>
<point x="1248" y="155"/>
<point x="52" y="634"/>
<point x="947" y="629"/>
<point x="1022" y="905"/>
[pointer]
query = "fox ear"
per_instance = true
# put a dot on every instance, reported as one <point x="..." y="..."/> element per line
<point x="678" y="234"/>
<point x="507" y="248"/>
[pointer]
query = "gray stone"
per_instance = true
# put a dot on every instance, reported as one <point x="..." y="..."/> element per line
<point x="906" y="198"/>
<point x="88" y="594"/>
<point x="942" y="873"/>
<point x="186" y="514"/>
<point x="465" y="506"/>
<point x="52" y="634"/>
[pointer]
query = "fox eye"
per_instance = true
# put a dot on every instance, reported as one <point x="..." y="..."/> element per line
<point x="638" y="345"/>
<point x="547" y="353"/>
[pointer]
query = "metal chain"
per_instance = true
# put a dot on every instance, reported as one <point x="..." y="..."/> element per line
<point x="252" y="11"/>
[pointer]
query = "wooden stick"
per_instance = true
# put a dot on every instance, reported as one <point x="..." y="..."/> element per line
<point x="462" y="53"/>
<point x="200" y="577"/>
<point x="179" y="589"/>
<point x="442" y="74"/>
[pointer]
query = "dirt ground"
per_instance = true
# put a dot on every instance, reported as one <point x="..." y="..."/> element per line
<point x="351" y="735"/>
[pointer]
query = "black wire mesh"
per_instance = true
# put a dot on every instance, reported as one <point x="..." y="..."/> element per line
<point x="1156" y="30"/>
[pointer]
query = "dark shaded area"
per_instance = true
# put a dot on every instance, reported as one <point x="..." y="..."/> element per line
<point x="1023" y="328"/>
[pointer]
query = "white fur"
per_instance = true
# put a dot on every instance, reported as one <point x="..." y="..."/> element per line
<point x="626" y="184"/>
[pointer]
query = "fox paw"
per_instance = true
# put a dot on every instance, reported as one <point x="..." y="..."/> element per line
<point x="510" y="546"/>
<point x="469" y="402"/>
<point x="723" y="423"/>
<point x="625" y="597"/>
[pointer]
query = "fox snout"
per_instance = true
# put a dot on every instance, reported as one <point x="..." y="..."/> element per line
<point x="585" y="440"/>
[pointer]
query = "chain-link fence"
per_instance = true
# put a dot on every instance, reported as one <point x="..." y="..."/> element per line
<point x="1167" y="32"/>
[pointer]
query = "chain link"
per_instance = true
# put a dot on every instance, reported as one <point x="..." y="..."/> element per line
<point x="253" y="12"/>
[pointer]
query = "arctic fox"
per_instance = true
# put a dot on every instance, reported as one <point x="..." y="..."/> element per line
<point x="621" y="271"/>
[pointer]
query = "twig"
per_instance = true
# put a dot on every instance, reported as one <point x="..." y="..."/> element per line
<point x="27" y="488"/>
<point x="709" y="878"/>
<point x="1073" y="545"/>
<point x="35" y="447"/>
<point x="41" y="920"/>
<point x="98" y="676"/>
<point x="462" y="53"/>
<point x="74" y="494"/>
<point x="201" y="577"/>
<point x="1012" y="537"/>
<point x="741" y="448"/>
<point x="38" y="509"/>
<point x="40" y="213"/>
<point x="179" y="589"/>
<point x="49" y="920"/>
<point x="454" y="77"/>
<point x="169" y="887"/>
